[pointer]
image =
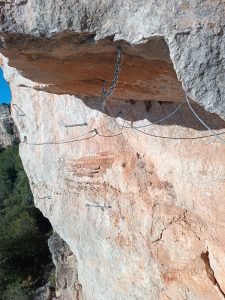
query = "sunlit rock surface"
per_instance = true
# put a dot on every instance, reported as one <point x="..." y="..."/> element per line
<point x="141" y="206"/>
<point x="38" y="38"/>
<point x="144" y="216"/>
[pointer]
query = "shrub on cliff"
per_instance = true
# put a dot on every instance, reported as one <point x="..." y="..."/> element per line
<point x="23" y="229"/>
<point x="15" y="291"/>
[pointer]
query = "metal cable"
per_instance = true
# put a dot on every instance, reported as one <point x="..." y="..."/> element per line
<point x="109" y="136"/>
<point x="75" y="139"/>
<point x="105" y="94"/>
<point x="202" y="122"/>
<point x="163" y="119"/>
<point x="122" y="127"/>
<point x="168" y="137"/>
<point x="178" y="138"/>
<point x="61" y="142"/>
<point x="95" y="131"/>
<point x="156" y="122"/>
<point x="18" y="110"/>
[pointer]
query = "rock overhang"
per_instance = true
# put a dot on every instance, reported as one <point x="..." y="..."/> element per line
<point x="193" y="31"/>
<point x="166" y="195"/>
<point x="76" y="64"/>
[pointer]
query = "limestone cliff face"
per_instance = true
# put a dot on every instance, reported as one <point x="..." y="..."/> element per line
<point x="38" y="37"/>
<point x="159" y="230"/>
<point x="141" y="206"/>
<point x="8" y="131"/>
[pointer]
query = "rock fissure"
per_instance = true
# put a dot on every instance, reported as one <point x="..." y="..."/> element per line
<point x="164" y="203"/>
<point x="180" y="218"/>
<point x="210" y="272"/>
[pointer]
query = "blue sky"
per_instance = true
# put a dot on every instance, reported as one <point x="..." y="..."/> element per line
<point x="5" y="93"/>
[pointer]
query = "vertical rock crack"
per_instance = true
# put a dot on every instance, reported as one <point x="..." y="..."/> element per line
<point x="210" y="272"/>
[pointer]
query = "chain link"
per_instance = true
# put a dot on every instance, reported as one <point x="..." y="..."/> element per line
<point x="106" y="93"/>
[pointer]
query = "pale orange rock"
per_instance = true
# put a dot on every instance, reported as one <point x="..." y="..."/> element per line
<point x="141" y="205"/>
<point x="139" y="213"/>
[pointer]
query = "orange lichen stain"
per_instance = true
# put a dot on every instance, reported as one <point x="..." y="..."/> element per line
<point x="93" y="166"/>
<point x="128" y="165"/>
<point x="122" y="241"/>
<point x="169" y="277"/>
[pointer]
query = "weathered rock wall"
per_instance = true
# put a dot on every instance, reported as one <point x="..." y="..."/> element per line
<point x="8" y="131"/>
<point x="72" y="63"/>
<point x="141" y="209"/>
<point x="66" y="275"/>
<point x="193" y="30"/>
<point x="144" y="216"/>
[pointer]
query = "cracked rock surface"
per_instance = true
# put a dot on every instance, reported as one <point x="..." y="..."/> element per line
<point x="193" y="30"/>
<point x="139" y="212"/>
<point x="67" y="284"/>
<point x="8" y="131"/>
<point x="142" y="210"/>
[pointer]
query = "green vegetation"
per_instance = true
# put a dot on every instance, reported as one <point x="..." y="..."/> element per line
<point x="23" y="231"/>
<point x="52" y="279"/>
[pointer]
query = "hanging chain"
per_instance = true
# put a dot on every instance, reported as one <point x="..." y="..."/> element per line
<point x="109" y="92"/>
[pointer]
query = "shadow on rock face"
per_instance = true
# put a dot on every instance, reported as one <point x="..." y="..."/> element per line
<point x="75" y="64"/>
<point x="153" y="111"/>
